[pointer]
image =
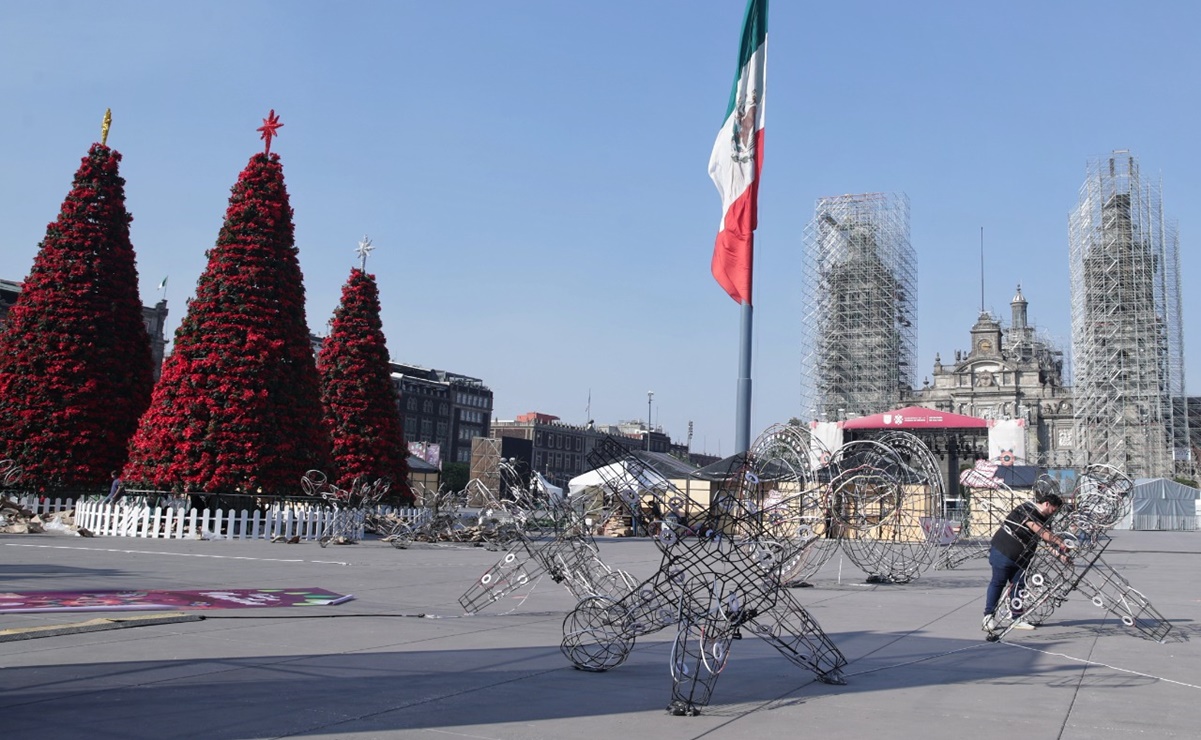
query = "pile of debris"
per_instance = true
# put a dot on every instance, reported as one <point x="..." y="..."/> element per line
<point x="17" y="519"/>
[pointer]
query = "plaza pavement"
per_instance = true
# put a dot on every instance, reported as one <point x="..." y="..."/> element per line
<point x="400" y="661"/>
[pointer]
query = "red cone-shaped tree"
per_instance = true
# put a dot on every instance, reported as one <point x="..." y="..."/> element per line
<point x="357" y="394"/>
<point x="238" y="404"/>
<point x="75" y="367"/>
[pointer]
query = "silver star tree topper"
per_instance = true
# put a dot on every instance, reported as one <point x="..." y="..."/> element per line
<point x="363" y="250"/>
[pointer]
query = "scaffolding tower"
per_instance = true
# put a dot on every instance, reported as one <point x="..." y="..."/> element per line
<point x="1127" y="338"/>
<point x="859" y="335"/>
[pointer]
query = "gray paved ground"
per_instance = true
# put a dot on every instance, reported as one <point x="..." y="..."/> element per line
<point x="399" y="661"/>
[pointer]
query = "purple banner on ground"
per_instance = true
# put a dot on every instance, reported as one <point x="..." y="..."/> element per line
<point x="14" y="602"/>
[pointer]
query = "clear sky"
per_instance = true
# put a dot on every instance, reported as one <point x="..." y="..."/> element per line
<point x="534" y="173"/>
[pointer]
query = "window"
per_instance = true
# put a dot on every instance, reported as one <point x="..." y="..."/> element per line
<point x="428" y="406"/>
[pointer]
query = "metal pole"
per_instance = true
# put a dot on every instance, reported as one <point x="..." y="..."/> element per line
<point x="742" y="436"/>
<point x="649" y="396"/>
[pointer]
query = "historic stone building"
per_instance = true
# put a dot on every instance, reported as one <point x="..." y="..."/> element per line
<point x="1009" y="374"/>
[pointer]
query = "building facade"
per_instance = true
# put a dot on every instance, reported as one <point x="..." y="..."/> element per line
<point x="1006" y="375"/>
<point x="442" y="408"/>
<point x="559" y="451"/>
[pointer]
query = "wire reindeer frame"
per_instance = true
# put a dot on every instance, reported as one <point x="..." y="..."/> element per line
<point x="715" y="579"/>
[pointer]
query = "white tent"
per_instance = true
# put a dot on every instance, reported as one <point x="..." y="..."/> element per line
<point x="620" y="475"/>
<point x="1159" y="503"/>
<point x="548" y="489"/>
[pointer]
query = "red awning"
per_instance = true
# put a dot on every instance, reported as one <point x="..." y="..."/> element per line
<point x="916" y="417"/>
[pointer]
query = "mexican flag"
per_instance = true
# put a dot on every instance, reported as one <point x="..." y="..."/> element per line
<point x="737" y="159"/>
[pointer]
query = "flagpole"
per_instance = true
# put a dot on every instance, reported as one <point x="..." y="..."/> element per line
<point x="734" y="166"/>
<point x="742" y="429"/>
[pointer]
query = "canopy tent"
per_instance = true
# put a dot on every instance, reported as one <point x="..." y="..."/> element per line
<point x="1161" y="504"/>
<point x="620" y="473"/>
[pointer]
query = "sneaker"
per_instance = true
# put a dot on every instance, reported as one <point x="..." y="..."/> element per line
<point x="989" y="624"/>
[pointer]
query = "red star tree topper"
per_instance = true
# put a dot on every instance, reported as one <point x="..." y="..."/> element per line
<point x="270" y="128"/>
<point x="357" y="394"/>
<point x="75" y="364"/>
<point x="238" y="403"/>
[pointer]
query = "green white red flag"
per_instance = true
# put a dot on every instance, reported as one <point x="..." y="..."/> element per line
<point x="737" y="160"/>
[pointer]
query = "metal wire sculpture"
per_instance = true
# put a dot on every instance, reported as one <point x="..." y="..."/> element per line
<point x="1102" y="496"/>
<point x="347" y="505"/>
<point x="884" y="494"/>
<point x="797" y="505"/>
<point x="10" y="473"/>
<point x="985" y="500"/>
<point x="715" y="579"/>
<point x="552" y="536"/>
<point x="447" y="521"/>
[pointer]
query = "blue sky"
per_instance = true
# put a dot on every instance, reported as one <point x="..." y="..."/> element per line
<point x="534" y="173"/>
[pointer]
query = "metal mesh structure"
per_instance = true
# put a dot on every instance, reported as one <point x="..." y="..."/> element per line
<point x="860" y="327"/>
<point x="1102" y="496"/>
<point x="713" y="582"/>
<point x="551" y="537"/>
<point x="1127" y="345"/>
<point x="986" y="499"/>
<point x="888" y="492"/>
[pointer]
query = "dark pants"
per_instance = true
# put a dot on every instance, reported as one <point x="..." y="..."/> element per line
<point x="1004" y="571"/>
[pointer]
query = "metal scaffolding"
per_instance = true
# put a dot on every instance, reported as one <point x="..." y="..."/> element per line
<point x="1127" y="342"/>
<point x="859" y="335"/>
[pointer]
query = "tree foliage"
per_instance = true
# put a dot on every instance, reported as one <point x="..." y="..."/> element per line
<point x="75" y="362"/>
<point x="357" y="395"/>
<point x="238" y="404"/>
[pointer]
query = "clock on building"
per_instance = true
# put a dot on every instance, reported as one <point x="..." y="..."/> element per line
<point x="984" y="345"/>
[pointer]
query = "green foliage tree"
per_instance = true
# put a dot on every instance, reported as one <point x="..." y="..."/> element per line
<point x="455" y="475"/>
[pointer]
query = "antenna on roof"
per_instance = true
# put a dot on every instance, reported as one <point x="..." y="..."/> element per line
<point x="981" y="269"/>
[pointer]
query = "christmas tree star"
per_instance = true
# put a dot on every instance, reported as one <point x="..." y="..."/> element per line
<point x="363" y="250"/>
<point x="270" y="128"/>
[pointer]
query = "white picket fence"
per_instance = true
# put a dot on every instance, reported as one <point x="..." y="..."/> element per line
<point x="135" y="518"/>
<point x="41" y="506"/>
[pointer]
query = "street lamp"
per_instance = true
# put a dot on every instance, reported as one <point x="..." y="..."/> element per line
<point x="649" y="396"/>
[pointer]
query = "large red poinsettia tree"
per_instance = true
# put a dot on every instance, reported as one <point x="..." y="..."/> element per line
<point x="238" y="404"/>
<point x="75" y="364"/>
<point x="357" y="394"/>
